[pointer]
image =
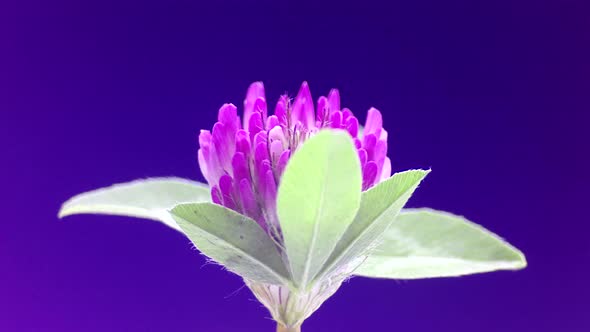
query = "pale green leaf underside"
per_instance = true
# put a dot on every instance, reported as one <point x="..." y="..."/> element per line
<point x="379" y="207"/>
<point x="318" y="198"/>
<point x="425" y="243"/>
<point x="233" y="240"/>
<point x="146" y="198"/>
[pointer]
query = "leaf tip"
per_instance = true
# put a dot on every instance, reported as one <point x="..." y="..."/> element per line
<point x="64" y="211"/>
<point x="424" y="171"/>
<point x="520" y="262"/>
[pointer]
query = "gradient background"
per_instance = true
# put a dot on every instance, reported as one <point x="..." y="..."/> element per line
<point x="494" y="97"/>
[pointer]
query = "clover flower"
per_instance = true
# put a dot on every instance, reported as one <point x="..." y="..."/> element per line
<point x="299" y="201"/>
<point x="243" y="163"/>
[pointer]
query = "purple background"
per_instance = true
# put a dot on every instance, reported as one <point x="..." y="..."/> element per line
<point x="493" y="96"/>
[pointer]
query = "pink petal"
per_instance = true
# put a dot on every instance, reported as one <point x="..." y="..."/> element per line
<point x="260" y="138"/>
<point x="283" y="162"/>
<point x="214" y="168"/>
<point x="336" y="120"/>
<point x="369" y="174"/>
<point x="216" y="195"/>
<point x="380" y="154"/>
<point x="243" y="142"/>
<point x="224" y="145"/>
<point x="270" y="188"/>
<point x="262" y="167"/>
<point x="276" y="149"/>
<point x="249" y="205"/>
<point x="303" y="107"/>
<point x="369" y="142"/>
<point x="323" y="111"/>
<point x="204" y="155"/>
<point x="255" y="125"/>
<point x="374" y="122"/>
<point x="334" y="100"/>
<point x="346" y="113"/>
<point x="240" y="167"/>
<point x="255" y="91"/>
<point x="226" y="188"/>
<point x="270" y="198"/>
<point x="277" y="134"/>
<point x="260" y="107"/>
<point x="281" y="110"/>
<point x="383" y="135"/>
<point x="260" y="154"/>
<point x="272" y="122"/>
<point x="205" y="138"/>
<point x="352" y="125"/>
<point x="228" y="115"/>
<point x="386" y="171"/>
<point x="362" y="156"/>
<point x="203" y="164"/>
<point x="357" y="143"/>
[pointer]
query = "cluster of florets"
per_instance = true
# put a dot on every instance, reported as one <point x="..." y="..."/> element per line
<point x="243" y="162"/>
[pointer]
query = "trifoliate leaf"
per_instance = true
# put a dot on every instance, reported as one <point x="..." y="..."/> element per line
<point x="233" y="240"/>
<point x="148" y="198"/>
<point x="318" y="198"/>
<point x="425" y="243"/>
<point x="379" y="207"/>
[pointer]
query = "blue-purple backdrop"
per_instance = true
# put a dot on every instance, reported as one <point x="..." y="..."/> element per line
<point x="493" y="96"/>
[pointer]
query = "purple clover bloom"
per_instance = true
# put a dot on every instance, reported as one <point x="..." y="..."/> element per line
<point x="243" y="162"/>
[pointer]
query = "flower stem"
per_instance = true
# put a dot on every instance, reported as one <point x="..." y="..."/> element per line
<point x="281" y="328"/>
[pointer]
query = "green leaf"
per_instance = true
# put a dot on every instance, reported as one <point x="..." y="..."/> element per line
<point x="148" y="198"/>
<point x="379" y="207"/>
<point x="318" y="198"/>
<point x="425" y="243"/>
<point x="233" y="240"/>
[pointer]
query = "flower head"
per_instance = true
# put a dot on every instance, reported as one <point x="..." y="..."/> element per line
<point x="243" y="162"/>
